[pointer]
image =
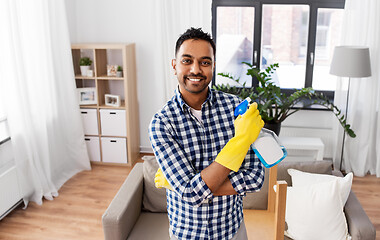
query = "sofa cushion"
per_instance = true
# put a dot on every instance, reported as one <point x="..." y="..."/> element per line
<point x="259" y="200"/>
<point x="152" y="226"/>
<point x="154" y="199"/>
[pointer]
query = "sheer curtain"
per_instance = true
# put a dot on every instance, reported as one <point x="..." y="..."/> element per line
<point x="361" y="26"/>
<point x="38" y="91"/>
<point x="174" y="18"/>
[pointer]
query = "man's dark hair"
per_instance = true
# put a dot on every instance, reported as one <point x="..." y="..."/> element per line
<point x="197" y="34"/>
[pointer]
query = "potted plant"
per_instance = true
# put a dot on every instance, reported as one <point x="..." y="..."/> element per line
<point x="274" y="105"/>
<point x="84" y="63"/>
<point x="119" y="72"/>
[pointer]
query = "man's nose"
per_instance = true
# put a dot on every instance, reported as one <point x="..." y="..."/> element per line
<point x="195" y="68"/>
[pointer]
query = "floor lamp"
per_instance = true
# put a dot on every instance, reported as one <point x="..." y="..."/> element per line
<point x="351" y="62"/>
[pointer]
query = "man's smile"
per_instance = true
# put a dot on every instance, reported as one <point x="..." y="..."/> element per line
<point x="194" y="79"/>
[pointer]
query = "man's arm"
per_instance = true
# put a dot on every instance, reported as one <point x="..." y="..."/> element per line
<point x="216" y="178"/>
<point x="249" y="178"/>
<point x="225" y="189"/>
<point x="231" y="157"/>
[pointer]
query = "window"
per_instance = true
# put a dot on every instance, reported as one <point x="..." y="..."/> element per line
<point x="285" y="27"/>
<point x="235" y="41"/>
<point x="300" y="35"/>
<point x="327" y="37"/>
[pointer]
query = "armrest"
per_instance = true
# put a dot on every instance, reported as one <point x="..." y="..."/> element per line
<point x="124" y="210"/>
<point x="280" y="208"/>
<point x="337" y="173"/>
<point x="359" y="225"/>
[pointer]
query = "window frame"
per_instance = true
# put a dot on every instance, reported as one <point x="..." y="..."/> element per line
<point x="314" y="5"/>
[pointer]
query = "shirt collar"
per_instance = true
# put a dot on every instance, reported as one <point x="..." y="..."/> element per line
<point x="210" y="98"/>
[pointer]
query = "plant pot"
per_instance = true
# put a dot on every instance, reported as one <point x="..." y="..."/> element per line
<point x="119" y="74"/>
<point x="275" y="127"/>
<point x="83" y="70"/>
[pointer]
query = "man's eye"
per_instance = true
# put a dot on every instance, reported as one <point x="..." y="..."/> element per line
<point x="186" y="61"/>
<point x="206" y="63"/>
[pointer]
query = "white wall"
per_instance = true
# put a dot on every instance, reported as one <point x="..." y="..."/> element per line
<point x="133" y="21"/>
<point x="122" y="21"/>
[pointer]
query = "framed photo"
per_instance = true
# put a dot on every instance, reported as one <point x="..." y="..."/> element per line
<point x="90" y="73"/>
<point x="112" y="100"/>
<point x="111" y="70"/>
<point x="87" y="96"/>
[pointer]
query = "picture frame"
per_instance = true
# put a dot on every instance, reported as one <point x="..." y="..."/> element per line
<point x="112" y="100"/>
<point x="112" y="70"/>
<point x="87" y="96"/>
<point x="90" y="73"/>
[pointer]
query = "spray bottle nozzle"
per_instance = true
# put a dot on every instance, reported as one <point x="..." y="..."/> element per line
<point x="242" y="107"/>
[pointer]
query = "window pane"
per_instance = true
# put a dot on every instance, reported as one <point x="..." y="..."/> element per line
<point x="284" y="41"/>
<point x="234" y="42"/>
<point x="329" y="24"/>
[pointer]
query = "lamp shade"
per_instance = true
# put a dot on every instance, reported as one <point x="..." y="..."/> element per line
<point x="351" y="61"/>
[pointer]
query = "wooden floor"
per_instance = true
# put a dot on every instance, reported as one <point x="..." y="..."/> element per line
<point x="76" y="213"/>
<point x="367" y="190"/>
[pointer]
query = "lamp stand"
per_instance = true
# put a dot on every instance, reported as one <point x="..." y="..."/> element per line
<point x="344" y="132"/>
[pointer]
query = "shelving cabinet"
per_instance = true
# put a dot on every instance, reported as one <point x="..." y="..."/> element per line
<point x="112" y="133"/>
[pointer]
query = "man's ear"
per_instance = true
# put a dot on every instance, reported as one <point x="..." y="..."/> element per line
<point x="174" y="65"/>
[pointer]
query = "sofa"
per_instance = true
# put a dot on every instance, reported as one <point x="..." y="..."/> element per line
<point x="138" y="211"/>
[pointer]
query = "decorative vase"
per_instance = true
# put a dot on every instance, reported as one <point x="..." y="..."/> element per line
<point x="119" y="74"/>
<point x="83" y="70"/>
<point x="275" y="127"/>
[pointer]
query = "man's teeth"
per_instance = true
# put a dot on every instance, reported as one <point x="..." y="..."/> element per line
<point x="194" y="79"/>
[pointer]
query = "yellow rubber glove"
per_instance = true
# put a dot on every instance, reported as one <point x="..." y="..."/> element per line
<point x="247" y="129"/>
<point x="160" y="180"/>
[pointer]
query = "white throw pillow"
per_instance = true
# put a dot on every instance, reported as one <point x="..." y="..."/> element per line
<point x="315" y="212"/>
<point x="304" y="179"/>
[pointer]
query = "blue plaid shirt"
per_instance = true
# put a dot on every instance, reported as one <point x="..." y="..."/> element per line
<point x="184" y="146"/>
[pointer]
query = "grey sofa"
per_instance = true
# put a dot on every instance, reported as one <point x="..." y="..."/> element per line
<point x="138" y="210"/>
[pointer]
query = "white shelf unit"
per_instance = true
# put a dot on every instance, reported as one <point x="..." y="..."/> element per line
<point x="102" y="122"/>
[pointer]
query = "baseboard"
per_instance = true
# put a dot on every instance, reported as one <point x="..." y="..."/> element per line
<point x="146" y="149"/>
<point x="11" y="209"/>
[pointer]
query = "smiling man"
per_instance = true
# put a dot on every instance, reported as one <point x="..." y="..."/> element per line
<point x="204" y="154"/>
<point x="194" y="68"/>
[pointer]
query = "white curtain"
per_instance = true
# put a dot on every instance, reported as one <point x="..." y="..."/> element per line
<point x="38" y="90"/>
<point x="173" y="18"/>
<point x="361" y="26"/>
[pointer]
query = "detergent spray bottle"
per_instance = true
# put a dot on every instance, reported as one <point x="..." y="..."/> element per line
<point x="267" y="146"/>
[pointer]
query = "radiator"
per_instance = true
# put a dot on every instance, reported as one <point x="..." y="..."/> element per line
<point x="10" y="195"/>
<point x="326" y="135"/>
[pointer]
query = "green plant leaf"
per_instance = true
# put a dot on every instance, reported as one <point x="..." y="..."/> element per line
<point x="274" y="106"/>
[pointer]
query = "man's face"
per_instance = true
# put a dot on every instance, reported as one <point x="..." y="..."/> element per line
<point x="194" y="66"/>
